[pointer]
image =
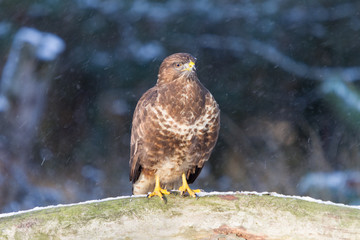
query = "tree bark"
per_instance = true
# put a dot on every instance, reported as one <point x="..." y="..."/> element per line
<point x="214" y="216"/>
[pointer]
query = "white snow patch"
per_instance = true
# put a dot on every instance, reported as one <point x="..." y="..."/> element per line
<point x="48" y="45"/>
<point x="201" y="194"/>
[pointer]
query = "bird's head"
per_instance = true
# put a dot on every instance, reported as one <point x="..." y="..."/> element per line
<point x="178" y="65"/>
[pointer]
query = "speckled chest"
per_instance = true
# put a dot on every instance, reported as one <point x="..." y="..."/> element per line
<point x="182" y="108"/>
<point x="185" y="115"/>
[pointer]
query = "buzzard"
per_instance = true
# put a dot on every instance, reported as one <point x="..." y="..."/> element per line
<point x="175" y="127"/>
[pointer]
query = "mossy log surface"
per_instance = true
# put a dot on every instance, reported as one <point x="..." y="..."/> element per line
<point x="225" y="216"/>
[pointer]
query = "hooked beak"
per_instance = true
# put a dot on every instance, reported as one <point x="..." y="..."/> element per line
<point x="189" y="66"/>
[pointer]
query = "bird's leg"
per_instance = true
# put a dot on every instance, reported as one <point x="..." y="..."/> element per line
<point x="158" y="191"/>
<point x="185" y="187"/>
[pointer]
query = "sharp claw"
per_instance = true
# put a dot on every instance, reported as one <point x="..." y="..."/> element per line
<point x="193" y="195"/>
<point x="185" y="188"/>
<point x="158" y="191"/>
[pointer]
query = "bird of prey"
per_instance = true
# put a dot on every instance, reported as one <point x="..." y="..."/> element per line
<point x="174" y="130"/>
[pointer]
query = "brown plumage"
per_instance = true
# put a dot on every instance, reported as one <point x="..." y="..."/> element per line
<point x="175" y="127"/>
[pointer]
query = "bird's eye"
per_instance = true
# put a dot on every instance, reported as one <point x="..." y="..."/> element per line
<point x="178" y="64"/>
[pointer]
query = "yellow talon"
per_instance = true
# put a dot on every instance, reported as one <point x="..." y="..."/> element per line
<point x="185" y="187"/>
<point x="158" y="191"/>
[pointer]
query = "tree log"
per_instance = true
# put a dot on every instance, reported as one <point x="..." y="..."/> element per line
<point x="240" y="215"/>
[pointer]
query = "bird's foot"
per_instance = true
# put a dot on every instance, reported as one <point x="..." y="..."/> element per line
<point x="158" y="191"/>
<point x="185" y="188"/>
<point x="192" y="192"/>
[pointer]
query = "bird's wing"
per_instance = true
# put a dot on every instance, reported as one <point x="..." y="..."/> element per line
<point x="137" y="132"/>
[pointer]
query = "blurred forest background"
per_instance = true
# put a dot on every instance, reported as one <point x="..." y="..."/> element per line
<point x="285" y="74"/>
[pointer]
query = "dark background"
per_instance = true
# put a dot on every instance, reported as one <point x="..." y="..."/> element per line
<point x="275" y="67"/>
